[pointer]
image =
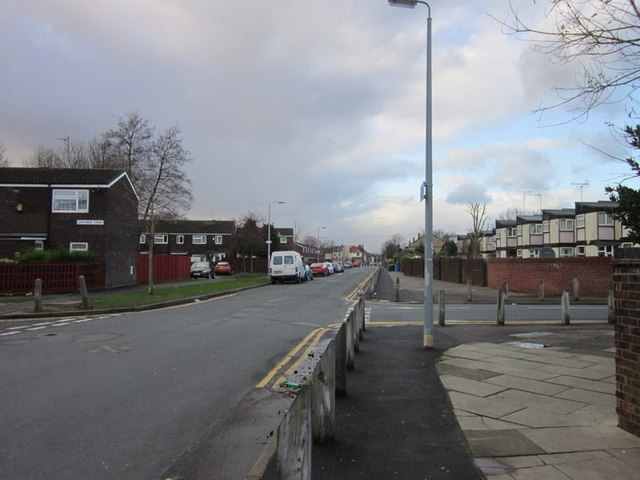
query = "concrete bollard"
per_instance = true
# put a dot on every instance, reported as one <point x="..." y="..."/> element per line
<point x="505" y="289"/>
<point x="37" y="295"/>
<point x="441" y="307"/>
<point x="341" y="360"/>
<point x="84" y="294"/>
<point x="541" y="290"/>
<point x="323" y="393"/>
<point x="295" y="439"/>
<point x="469" y="292"/>
<point x="611" y="308"/>
<point x="564" y="309"/>
<point x="576" y="290"/>
<point x="501" y="312"/>
<point x="397" y="289"/>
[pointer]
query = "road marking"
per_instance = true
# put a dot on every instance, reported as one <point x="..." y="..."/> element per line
<point x="286" y="359"/>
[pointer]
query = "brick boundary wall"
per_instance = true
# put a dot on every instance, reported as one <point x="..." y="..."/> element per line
<point x="627" y="337"/>
<point x="594" y="274"/>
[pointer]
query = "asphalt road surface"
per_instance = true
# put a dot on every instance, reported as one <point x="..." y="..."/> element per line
<point x="125" y="396"/>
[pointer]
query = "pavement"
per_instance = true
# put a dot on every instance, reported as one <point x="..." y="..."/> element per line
<point x="497" y="402"/>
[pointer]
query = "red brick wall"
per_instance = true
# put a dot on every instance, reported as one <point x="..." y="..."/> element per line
<point x="627" y="328"/>
<point x="523" y="274"/>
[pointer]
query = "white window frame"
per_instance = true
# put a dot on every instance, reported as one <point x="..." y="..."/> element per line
<point x="605" y="219"/>
<point x="218" y="239"/>
<point x="536" y="228"/>
<point x="605" y="251"/>
<point x="566" y="224"/>
<point x="580" y="251"/>
<point x="512" y="232"/>
<point x="179" y="239"/>
<point x="70" y="201"/>
<point x="160" y="239"/>
<point x="143" y="239"/>
<point x="199" y="239"/>
<point x="39" y="245"/>
<point x="78" y="247"/>
<point x="566" y="252"/>
<point x="580" y="221"/>
<point x="534" y="253"/>
<point x="546" y="226"/>
<point x="283" y="239"/>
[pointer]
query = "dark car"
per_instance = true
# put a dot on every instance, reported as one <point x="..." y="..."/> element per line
<point x="201" y="270"/>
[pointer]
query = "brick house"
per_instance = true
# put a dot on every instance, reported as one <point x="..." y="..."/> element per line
<point x="207" y="238"/>
<point x="90" y="210"/>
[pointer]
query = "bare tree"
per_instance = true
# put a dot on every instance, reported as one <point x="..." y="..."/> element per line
<point x="44" y="157"/>
<point x="128" y="146"/>
<point x="4" y="160"/>
<point x="478" y="214"/>
<point x="163" y="186"/>
<point x="602" y="35"/>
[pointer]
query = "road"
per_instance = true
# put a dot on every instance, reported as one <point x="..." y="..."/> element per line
<point x="123" y="397"/>
<point x="148" y="395"/>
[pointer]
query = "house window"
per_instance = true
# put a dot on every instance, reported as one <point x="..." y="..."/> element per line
<point x="536" y="228"/>
<point x="605" y="219"/>
<point x="513" y="232"/>
<point x="545" y="226"/>
<point x="519" y="253"/>
<point x="519" y="230"/>
<point x="283" y="239"/>
<point x="566" y="224"/>
<point x="39" y="246"/>
<point x="605" y="251"/>
<point x="218" y="239"/>
<point x="179" y="239"/>
<point x="580" y="251"/>
<point x="160" y="239"/>
<point x="143" y="239"/>
<point x="70" y="201"/>
<point x="535" y="253"/>
<point x="580" y="221"/>
<point x="199" y="239"/>
<point x="78" y="247"/>
<point x="566" y="251"/>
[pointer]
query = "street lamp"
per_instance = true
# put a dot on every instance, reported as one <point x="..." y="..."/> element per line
<point x="269" y="236"/>
<point x="426" y="192"/>
<point x="319" y="259"/>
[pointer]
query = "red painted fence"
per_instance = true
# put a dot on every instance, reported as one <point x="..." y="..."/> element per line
<point x="56" y="277"/>
<point x="166" y="268"/>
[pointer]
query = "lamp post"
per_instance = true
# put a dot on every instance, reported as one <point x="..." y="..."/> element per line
<point x="269" y="235"/>
<point x="426" y="192"/>
<point x="319" y="259"/>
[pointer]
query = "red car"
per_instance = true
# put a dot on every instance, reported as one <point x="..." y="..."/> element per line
<point x="319" y="269"/>
<point x="223" y="268"/>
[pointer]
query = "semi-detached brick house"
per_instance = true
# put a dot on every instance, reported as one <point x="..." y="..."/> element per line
<point x="91" y="210"/>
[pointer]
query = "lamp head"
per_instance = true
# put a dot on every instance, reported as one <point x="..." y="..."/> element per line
<point x="403" y="3"/>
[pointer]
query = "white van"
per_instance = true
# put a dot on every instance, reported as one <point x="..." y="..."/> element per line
<point x="286" y="265"/>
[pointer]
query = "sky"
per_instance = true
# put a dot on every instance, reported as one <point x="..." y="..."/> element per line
<point x="316" y="103"/>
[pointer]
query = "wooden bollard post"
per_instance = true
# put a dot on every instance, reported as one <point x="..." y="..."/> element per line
<point x="541" y="290"/>
<point x="469" y="292"/>
<point x="576" y="289"/>
<point x="84" y="295"/>
<point x="564" y="309"/>
<point x="501" y="315"/>
<point x="37" y="295"/>
<point x="441" y="306"/>
<point x="611" y="308"/>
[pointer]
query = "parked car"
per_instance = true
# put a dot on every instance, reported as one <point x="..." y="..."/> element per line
<point x="329" y="266"/>
<point x="308" y="273"/>
<point x="202" y="270"/>
<point x="223" y="268"/>
<point x="347" y="265"/>
<point x="286" y="265"/>
<point x="319" y="269"/>
<point x="338" y="266"/>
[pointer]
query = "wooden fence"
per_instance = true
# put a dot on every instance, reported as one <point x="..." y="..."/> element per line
<point x="166" y="268"/>
<point x="56" y="277"/>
